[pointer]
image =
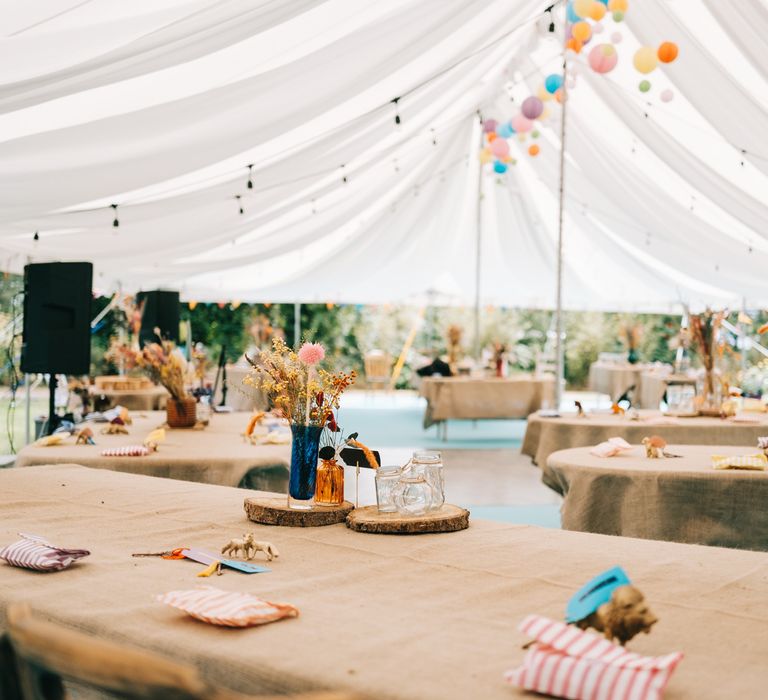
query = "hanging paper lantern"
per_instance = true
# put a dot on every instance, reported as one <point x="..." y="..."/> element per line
<point x="667" y="95"/>
<point x="644" y="86"/>
<point x="500" y="167"/>
<point x="533" y="150"/>
<point x="192" y="305"/>
<point x="553" y="83"/>
<point x="221" y="304"/>
<point x="618" y="16"/>
<point x="645" y="59"/>
<point x="236" y="303"/>
<point x="597" y="28"/>
<point x="559" y="95"/>
<point x="535" y="134"/>
<point x="574" y="45"/>
<point x="582" y="7"/>
<point x="570" y="12"/>
<point x="521" y="124"/>
<point x="522" y="137"/>
<point x="543" y="94"/>
<point x="532" y="107"/>
<point x="603" y="58"/>
<point x="616" y="37"/>
<point x="506" y="159"/>
<point x="667" y="52"/>
<point x="489" y="125"/>
<point x="500" y="148"/>
<point x="505" y="130"/>
<point x="485" y="156"/>
<point x="597" y="11"/>
<point x="491" y="137"/>
<point x="618" y="5"/>
<point x="582" y="31"/>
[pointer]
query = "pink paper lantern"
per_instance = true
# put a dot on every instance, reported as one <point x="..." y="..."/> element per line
<point x="489" y="126"/>
<point x="500" y="148"/>
<point x="667" y="96"/>
<point x="603" y="58"/>
<point x="532" y="107"/>
<point x="521" y="124"/>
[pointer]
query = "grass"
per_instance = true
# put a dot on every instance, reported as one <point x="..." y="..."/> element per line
<point x="13" y="423"/>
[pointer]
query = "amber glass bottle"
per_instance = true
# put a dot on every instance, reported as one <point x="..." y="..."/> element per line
<point x="329" y="489"/>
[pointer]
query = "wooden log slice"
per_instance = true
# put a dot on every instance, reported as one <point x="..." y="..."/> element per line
<point x="275" y="511"/>
<point x="448" y="519"/>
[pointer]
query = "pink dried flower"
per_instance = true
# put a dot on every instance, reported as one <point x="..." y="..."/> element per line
<point x="311" y="353"/>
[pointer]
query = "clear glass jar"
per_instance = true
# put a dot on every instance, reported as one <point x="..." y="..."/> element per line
<point x="386" y="481"/>
<point x="413" y="494"/>
<point x="430" y="464"/>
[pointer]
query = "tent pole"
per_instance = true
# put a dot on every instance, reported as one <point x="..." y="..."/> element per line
<point x="559" y="344"/>
<point x="478" y="248"/>
<point x="296" y="324"/>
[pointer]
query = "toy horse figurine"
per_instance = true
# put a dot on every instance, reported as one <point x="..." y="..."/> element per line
<point x="248" y="546"/>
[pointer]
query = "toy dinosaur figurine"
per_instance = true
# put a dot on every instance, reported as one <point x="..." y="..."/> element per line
<point x="580" y="413"/>
<point x="623" y="617"/>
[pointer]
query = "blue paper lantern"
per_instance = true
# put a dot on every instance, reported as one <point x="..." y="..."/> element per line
<point x="571" y="13"/>
<point x="553" y="83"/>
<point x="500" y="167"/>
<point x="505" y="130"/>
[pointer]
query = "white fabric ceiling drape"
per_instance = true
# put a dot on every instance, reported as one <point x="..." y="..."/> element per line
<point x="160" y="109"/>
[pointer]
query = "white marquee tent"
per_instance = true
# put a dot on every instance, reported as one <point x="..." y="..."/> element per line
<point x="161" y="107"/>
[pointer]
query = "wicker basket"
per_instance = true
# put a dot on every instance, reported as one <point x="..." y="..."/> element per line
<point x="181" y="414"/>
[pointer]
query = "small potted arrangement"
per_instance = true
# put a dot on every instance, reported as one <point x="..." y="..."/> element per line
<point x="165" y="365"/>
<point x="306" y="396"/>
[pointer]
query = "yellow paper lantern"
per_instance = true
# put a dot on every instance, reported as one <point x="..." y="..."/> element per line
<point x="543" y="94"/>
<point x="236" y="303"/>
<point x="486" y="156"/>
<point x="582" y="7"/>
<point x="597" y="11"/>
<point x="618" y="5"/>
<point x="581" y="31"/>
<point x="645" y="59"/>
<point x="545" y="114"/>
<point x="192" y="305"/>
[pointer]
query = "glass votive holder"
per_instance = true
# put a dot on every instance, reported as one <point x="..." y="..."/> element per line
<point x="386" y="480"/>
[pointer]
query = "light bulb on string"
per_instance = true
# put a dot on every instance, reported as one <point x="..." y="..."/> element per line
<point x="250" y="181"/>
<point x="395" y="102"/>
<point x="116" y="222"/>
<point x="240" y="204"/>
<point x="434" y="137"/>
<point x="343" y="175"/>
<point x="36" y="237"/>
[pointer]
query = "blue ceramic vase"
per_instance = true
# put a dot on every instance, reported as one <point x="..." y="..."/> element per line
<point x="304" y="449"/>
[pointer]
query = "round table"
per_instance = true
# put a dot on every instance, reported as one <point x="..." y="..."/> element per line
<point x="675" y="499"/>
<point x="152" y="399"/>
<point x="543" y="436"/>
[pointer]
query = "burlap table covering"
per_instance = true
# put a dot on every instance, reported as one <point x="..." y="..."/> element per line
<point x="135" y="399"/>
<point x="216" y="455"/>
<point x="680" y="500"/>
<point x="543" y="436"/>
<point x="476" y="398"/>
<point x="425" y="617"/>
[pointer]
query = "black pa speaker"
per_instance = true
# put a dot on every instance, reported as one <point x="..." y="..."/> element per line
<point x="160" y="310"/>
<point x="57" y="318"/>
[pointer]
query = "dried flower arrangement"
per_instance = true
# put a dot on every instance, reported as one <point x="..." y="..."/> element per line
<point x="704" y="332"/>
<point x="303" y="393"/>
<point x="165" y="366"/>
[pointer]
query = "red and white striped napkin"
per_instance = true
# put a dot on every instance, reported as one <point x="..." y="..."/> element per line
<point x="126" y="451"/>
<point x="567" y="662"/>
<point x="33" y="552"/>
<point x="225" y="608"/>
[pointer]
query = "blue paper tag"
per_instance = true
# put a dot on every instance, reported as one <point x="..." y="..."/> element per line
<point x="593" y="594"/>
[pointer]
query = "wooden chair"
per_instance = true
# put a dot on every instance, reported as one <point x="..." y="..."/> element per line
<point x="378" y="367"/>
<point x="45" y="655"/>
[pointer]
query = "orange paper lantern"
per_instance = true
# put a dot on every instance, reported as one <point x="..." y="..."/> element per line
<point x="597" y="11"/>
<point x="668" y="52"/>
<point x="533" y="150"/>
<point x="491" y="136"/>
<point x="574" y="45"/>
<point x="581" y="31"/>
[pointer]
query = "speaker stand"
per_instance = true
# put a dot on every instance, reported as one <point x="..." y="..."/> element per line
<point x="221" y="371"/>
<point x="53" y="419"/>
